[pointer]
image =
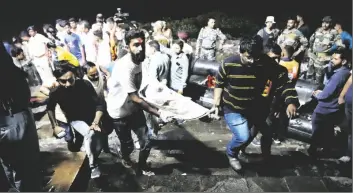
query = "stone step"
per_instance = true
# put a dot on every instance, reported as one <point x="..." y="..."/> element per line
<point x="220" y="183"/>
<point x="216" y="164"/>
<point x="64" y="171"/>
<point x="209" y="157"/>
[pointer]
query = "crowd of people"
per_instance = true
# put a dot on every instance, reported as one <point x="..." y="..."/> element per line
<point x="94" y="72"/>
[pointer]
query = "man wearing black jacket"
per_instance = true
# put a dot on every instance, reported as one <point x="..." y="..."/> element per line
<point x="19" y="146"/>
<point x="82" y="108"/>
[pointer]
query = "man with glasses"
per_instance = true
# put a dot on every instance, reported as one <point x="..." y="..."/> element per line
<point x="82" y="107"/>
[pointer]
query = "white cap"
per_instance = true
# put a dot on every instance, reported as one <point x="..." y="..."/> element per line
<point x="270" y="19"/>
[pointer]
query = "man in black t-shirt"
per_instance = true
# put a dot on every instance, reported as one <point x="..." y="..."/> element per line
<point x="82" y="108"/>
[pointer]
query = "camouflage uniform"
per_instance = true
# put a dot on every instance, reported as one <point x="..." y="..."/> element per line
<point x="293" y="37"/>
<point x="206" y="43"/>
<point x="321" y="43"/>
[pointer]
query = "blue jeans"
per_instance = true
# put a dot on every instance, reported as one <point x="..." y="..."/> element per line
<point x="239" y="126"/>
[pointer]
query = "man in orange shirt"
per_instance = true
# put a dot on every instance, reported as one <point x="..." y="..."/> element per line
<point x="279" y="120"/>
<point x="288" y="62"/>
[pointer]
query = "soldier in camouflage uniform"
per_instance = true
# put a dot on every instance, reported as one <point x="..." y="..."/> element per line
<point x="321" y="43"/>
<point x="293" y="37"/>
<point x="206" y="41"/>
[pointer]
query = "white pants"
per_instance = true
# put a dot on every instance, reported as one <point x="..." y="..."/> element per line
<point x="44" y="70"/>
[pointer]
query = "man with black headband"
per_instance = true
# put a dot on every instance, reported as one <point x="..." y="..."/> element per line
<point x="124" y="104"/>
<point x="82" y="108"/>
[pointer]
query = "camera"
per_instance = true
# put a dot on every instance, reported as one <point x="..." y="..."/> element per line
<point x="120" y="16"/>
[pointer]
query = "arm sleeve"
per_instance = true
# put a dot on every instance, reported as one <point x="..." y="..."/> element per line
<point x="283" y="86"/>
<point x="295" y="71"/>
<point x="221" y="76"/>
<point x="185" y="66"/>
<point x="350" y="41"/>
<point x="260" y="33"/>
<point x="100" y="105"/>
<point x="280" y="39"/>
<point x="338" y="41"/>
<point x="311" y="40"/>
<point x="199" y="41"/>
<point x="166" y="50"/>
<point x="44" y="39"/>
<point x="221" y="36"/>
<point x="52" y="100"/>
<point x="330" y="88"/>
<point x="303" y="41"/>
<point x="80" y="43"/>
<point x="153" y="68"/>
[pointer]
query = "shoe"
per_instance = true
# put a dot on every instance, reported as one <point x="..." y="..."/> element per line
<point x="144" y="168"/>
<point x="179" y="122"/>
<point x="276" y="141"/>
<point x="126" y="162"/>
<point x="256" y="142"/>
<point x="249" y="158"/>
<point x="59" y="133"/>
<point x="95" y="172"/>
<point x="345" y="159"/>
<point x="234" y="163"/>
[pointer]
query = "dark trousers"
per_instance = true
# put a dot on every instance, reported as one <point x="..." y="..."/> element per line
<point x="348" y="111"/>
<point x="137" y="123"/>
<point x="258" y="121"/>
<point x="19" y="153"/>
<point x="323" y="129"/>
<point x="279" y="125"/>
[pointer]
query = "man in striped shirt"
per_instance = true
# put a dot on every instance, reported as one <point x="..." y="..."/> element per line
<point x="240" y="82"/>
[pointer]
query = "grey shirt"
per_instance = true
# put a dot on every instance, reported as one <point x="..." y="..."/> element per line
<point x="179" y="69"/>
<point x="158" y="67"/>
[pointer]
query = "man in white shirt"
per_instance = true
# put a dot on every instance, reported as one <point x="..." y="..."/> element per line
<point x="38" y="51"/>
<point x="83" y="28"/>
<point x="125" y="106"/>
<point x="101" y="52"/>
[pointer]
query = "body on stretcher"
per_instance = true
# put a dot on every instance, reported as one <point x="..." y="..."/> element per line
<point x="165" y="99"/>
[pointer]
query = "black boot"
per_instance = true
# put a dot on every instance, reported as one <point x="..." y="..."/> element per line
<point x="142" y="162"/>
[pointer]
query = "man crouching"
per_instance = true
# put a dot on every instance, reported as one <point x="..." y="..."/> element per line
<point x="82" y="108"/>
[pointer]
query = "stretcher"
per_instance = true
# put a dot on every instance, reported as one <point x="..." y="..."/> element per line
<point x="169" y="101"/>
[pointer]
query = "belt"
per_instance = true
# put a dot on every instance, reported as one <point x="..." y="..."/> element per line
<point x="208" y="48"/>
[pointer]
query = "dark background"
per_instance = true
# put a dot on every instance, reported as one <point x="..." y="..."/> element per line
<point x="17" y="15"/>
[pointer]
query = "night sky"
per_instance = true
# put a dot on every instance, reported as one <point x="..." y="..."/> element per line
<point x="17" y="15"/>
